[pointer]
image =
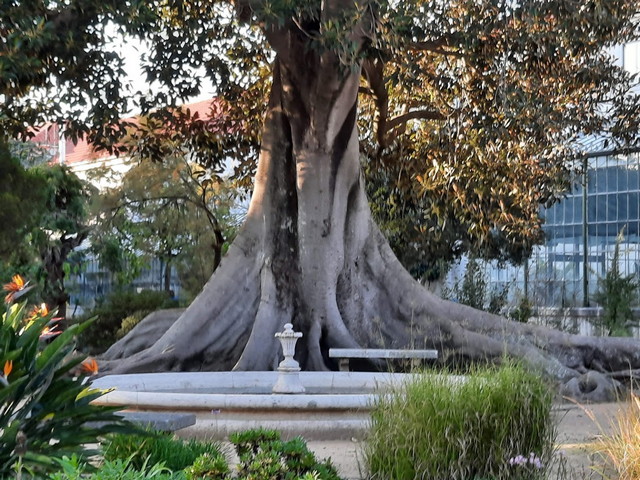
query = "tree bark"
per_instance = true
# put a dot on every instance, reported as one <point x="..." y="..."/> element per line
<point x="166" y="276"/>
<point x="310" y="254"/>
<point x="53" y="258"/>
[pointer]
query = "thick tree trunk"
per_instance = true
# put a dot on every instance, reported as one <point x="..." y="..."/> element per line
<point x="310" y="254"/>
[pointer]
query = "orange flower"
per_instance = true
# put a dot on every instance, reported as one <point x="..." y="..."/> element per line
<point x="48" y="332"/>
<point x="89" y="366"/>
<point x="8" y="366"/>
<point x="16" y="285"/>
<point x="41" y="311"/>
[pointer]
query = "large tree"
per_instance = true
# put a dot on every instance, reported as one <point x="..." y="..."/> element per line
<point x="62" y="227"/>
<point x="490" y="94"/>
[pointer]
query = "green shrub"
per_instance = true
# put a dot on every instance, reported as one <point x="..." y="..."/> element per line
<point x="44" y="410"/>
<point x="523" y="311"/>
<point x="248" y="442"/>
<point x="116" y="308"/>
<point x="128" y="324"/>
<point x="471" y="429"/>
<point x="617" y="293"/>
<point x="156" y="447"/>
<point x="264" y="456"/>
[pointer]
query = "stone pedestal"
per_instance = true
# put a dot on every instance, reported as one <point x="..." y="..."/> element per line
<point x="288" y="370"/>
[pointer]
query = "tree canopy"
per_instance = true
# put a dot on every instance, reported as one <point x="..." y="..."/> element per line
<point x="471" y="111"/>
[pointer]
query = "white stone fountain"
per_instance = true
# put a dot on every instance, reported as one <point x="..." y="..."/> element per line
<point x="317" y="405"/>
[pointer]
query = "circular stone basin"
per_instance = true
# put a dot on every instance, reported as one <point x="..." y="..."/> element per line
<point x="336" y="405"/>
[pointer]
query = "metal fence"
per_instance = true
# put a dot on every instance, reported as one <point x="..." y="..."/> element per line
<point x="95" y="283"/>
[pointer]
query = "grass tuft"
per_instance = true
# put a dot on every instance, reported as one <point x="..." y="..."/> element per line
<point x="621" y="449"/>
<point x="496" y="424"/>
<point x="156" y="447"/>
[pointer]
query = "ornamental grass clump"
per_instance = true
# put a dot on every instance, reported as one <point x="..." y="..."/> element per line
<point x="621" y="449"/>
<point x="495" y="423"/>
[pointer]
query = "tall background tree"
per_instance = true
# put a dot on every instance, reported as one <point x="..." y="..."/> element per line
<point x="173" y="211"/>
<point x="46" y="218"/>
<point x="62" y="227"/>
<point x="476" y="102"/>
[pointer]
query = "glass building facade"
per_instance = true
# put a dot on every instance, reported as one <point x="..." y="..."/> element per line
<point x="581" y="233"/>
<point x="581" y="230"/>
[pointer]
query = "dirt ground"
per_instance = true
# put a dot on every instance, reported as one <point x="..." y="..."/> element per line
<point x="578" y="431"/>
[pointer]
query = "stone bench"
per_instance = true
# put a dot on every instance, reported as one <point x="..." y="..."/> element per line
<point x="345" y="354"/>
<point x="161" y="421"/>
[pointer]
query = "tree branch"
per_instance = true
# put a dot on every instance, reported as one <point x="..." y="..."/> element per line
<point x="387" y="130"/>
<point x="373" y="71"/>
<point x="415" y="115"/>
<point x="441" y="46"/>
<point x="162" y="198"/>
<point x="428" y="47"/>
<point x="397" y="125"/>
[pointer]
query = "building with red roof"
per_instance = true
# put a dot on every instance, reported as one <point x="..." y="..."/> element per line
<point x="82" y="157"/>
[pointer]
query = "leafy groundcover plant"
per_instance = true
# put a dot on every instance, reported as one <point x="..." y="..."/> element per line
<point x="262" y="455"/>
<point x="74" y="469"/>
<point x="496" y="423"/>
<point x="45" y="409"/>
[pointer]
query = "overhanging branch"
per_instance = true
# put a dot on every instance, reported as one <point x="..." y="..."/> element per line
<point x="387" y="130"/>
<point x="432" y="47"/>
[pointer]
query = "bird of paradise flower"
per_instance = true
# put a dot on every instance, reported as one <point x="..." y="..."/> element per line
<point x="16" y="288"/>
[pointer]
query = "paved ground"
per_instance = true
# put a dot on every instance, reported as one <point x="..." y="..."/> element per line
<point x="578" y="432"/>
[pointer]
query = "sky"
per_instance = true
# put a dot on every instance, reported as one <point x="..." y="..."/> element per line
<point x="132" y="52"/>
